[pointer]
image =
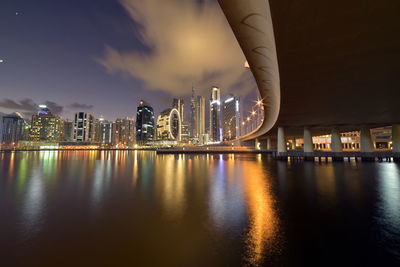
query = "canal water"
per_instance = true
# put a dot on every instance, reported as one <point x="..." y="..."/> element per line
<point x="119" y="208"/>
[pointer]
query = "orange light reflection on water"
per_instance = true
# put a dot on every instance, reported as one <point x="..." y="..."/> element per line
<point x="263" y="220"/>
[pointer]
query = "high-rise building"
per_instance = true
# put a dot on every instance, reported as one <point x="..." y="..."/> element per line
<point x="105" y="132"/>
<point x="84" y="127"/>
<point x="231" y="118"/>
<point x="124" y="132"/>
<point x="192" y="119"/>
<point x="68" y="131"/>
<point x="185" y="132"/>
<point x="97" y="132"/>
<point x="144" y="122"/>
<point x="169" y="125"/>
<point x="200" y="121"/>
<point x="46" y="126"/>
<point x="215" y="115"/>
<point x="179" y="104"/>
<point x="14" y="129"/>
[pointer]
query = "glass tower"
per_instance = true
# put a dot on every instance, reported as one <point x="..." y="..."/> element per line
<point x="144" y="122"/>
<point x="231" y="118"/>
<point x="215" y="115"/>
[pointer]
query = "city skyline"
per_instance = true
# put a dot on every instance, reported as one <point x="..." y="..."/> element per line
<point x="47" y="129"/>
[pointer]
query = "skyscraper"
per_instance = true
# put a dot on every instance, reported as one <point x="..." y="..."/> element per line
<point x="106" y="130"/>
<point x="179" y="104"/>
<point x="103" y="131"/>
<point x="84" y="127"/>
<point x="192" y="119"/>
<point x="215" y="115"/>
<point x="200" y="125"/>
<point x="231" y="118"/>
<point x="169" y="125"/>
<point x="124" y="132"/>
<point x="46" y="126"/>
<point x="144" y="122"/>
<point x="14" y="129"/>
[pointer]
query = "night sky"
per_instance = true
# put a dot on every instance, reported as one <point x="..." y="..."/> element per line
<point x="103" y="56"/>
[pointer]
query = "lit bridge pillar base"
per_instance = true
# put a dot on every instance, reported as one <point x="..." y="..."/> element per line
<point x="366" y="144"/>
<point x="396" y="142"/>
<point x="269" y="145"/>
<point x="308" y="145"/>
<point x="282" y="148"/>
<point x="336" y="144"/>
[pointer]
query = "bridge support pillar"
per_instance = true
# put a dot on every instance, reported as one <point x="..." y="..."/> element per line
<point x="308" y="144"/>
<point x="336" y="144"/>
<point x="282" y="148"/>
<point x="396" y="141"/>
<point x="269" y="145"/>
<point x="366" y="145"/>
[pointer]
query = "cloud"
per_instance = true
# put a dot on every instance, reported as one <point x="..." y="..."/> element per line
<point x="189" y="42"/>
<point x="54" y="107"/>
<point x="25" y="105"/>
<point x="28" y="107"/>
<point x="80" y="106"/>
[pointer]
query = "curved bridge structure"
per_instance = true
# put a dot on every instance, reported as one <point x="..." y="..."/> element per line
<point x="321" y="65"/>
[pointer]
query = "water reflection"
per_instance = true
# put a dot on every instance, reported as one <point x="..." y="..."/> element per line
<point x="226" y="200"/>
<point x="170" y="184"/>
<point x="263" y="227"/>
<point x="209" y="210"/>
<point x="389" y="206"/>
<point x="101" y="181"/>
<point x="34" y="205"/>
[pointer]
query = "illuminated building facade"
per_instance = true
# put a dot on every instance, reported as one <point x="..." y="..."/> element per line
<point x="46" y="126"/>
<point x="231" y="118"/>
<point x="185" y="137"/>
<point x="192" y="119"/>
<point x="215" y="115"/>
<point x="144" y="122"/>
<point x="84" y="127"/>
<point x="179" y="104"/>
<point x="169" y="125"/>
<point x="123" y="132"/>
<point x="350" y="141"/>
<point x="14" y="129"/>
<point x="104" y="132"/>
<point x="200" y="128"/>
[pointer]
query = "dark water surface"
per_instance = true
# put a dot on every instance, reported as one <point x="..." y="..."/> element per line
<point x="141" y="209"/>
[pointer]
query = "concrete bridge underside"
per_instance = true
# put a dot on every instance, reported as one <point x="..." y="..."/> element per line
<point x="321" y="64"/>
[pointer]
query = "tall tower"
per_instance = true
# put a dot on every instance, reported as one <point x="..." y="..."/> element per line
<point x="84" y="127"/>
<point x="105" y="132"/>
<point x="46" y="126"/>
<point x="14" y="129"/>
<point x="215" y="115"/>
<point x="179" y="104"/>
<point x="124" y="132"/>
<point x="200" y="128"/>
<point x="231" y="118"/>
<point x="192" y="120"/>
<point x="144" y="122"/>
